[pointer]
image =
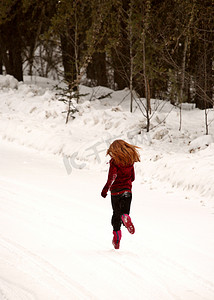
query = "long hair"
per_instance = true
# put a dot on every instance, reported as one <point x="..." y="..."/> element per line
<point x="123" y="153"/>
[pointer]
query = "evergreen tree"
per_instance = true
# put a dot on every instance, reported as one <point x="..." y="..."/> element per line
<point x="11" y="48"/>
<point x="22" y="21"/>
<point x="37" y="21"/>
<point x="202" y="55"/>
<point x="70" y="24"/>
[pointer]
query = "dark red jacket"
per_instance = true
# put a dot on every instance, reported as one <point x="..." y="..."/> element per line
<point x="119" y="179"/>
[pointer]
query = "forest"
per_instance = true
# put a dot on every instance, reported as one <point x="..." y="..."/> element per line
<point x="156" y="49"/>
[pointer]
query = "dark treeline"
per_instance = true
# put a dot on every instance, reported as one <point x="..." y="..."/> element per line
<point x="161" y="49"/>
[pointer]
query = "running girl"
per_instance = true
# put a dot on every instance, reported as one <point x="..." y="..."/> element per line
<point x="120" y="177"/>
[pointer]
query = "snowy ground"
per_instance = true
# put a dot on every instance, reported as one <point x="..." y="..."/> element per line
<point x="55" y="238"/>
<point x="31" y="115"/>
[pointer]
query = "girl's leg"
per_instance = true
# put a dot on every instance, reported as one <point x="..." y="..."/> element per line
<point x="126" y="200"/>
<point x="116" y="217"/>
<point x="125" y="210"/>
<point x="116" y="238"/>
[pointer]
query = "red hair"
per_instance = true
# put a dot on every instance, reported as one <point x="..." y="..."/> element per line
<point x="123" y="153"/>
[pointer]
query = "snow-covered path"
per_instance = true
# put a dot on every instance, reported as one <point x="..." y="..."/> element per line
<point x="55" y="238"/>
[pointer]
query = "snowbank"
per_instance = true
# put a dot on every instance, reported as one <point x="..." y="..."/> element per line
<point x="193" y="172"/>
<point x="8" y="81"/>
<point x="31" y="115"/>
<point x="201" y="143"/>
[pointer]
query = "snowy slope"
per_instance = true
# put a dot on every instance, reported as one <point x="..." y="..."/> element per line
<point x="31" y="115"/>
<point x="55" y="240"/>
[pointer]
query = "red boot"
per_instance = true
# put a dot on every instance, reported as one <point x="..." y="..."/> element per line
<point x="116" y="239"/>
<point x="128" y="223"/>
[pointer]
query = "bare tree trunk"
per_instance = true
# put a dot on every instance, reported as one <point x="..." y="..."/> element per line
<point x="68" y="53"/>
<point x="1" y="65"/>
<point x="16" y="59"/>
<point x="76" y="48"/>
<point x="131" y="57"/>
<point x="205" y="91"/>
<point x="183" y="68"/>
<point x="147" y="93"/>
<point x="33" y="46"/>
<point x="4" y="56"/>
<point x="10" y="50"/>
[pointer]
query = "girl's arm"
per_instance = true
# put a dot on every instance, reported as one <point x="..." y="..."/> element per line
<point x="112" y="175"/>
<point x="133" y="174"/>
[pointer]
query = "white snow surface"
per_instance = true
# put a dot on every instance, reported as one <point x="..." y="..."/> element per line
<point x="55" y="239"/>
<point x="8" y="82"/>
<point x="31" y="115"/>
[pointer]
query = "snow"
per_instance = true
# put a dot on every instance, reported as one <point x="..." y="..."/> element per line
<point x="56" y="236"/>
<point x="31" y="115"/>
<point x="55" y="240"/>
<point x="8" y="81"/>
<point x="201" y="142"/>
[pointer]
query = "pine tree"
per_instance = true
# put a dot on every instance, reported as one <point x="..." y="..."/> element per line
<point x="23" y="21"/>
<point x="70" y="24"/>
<point x="11" y="49"/>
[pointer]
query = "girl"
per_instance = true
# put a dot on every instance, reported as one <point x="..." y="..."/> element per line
<point x="120" y="177"/>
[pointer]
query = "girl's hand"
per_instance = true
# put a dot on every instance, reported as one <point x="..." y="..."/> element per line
<point x="104" y="193"/>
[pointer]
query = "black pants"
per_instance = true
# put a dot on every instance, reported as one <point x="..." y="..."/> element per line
<point x="120" y="205"/>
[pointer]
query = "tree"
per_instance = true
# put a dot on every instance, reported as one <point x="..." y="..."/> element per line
<point x="70" y="25"/>
<point x="10" y="18"/>
<point x="37" y="15"/>
<point x="23" y="21"/>
<point x="203" y="55"/>
<point x="1" y="65"/>
<point x="186" y="46"/>
<point x="105" y="23"/>
<point x="96" y="69"/>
